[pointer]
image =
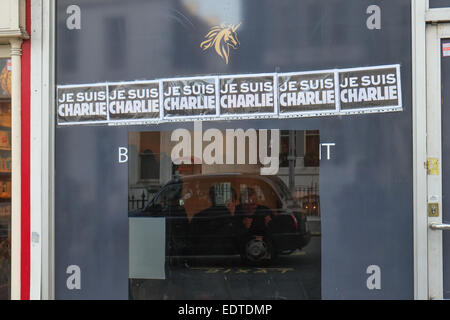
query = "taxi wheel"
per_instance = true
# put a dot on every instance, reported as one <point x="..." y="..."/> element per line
<point x="257" y="250"/>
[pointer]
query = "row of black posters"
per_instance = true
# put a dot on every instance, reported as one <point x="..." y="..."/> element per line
<point x="297" y="94"/>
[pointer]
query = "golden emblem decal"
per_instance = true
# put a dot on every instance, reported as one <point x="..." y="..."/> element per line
<point x="222" y="38"/>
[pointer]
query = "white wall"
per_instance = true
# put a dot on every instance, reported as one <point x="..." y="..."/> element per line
<point x="12" y="16"/>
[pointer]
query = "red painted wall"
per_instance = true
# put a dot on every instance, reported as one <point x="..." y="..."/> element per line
<point x="25" y="161"/>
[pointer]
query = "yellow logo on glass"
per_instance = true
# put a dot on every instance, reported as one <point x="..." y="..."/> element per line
<point x="222" y="38"/>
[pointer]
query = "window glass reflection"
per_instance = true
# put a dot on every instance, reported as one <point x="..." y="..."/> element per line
<point x="5" y="179"/>
<point x="226" y="230"/>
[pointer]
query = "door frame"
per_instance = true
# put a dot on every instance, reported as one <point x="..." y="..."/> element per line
<point x="419" y="9"/>
<point x="427" y="281"/>
<point x="434" y="34"/>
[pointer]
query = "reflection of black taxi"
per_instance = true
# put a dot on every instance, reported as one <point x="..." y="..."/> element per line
<point x="254" y="216"/>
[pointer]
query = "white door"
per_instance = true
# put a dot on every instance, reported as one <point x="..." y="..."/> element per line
<point x="438" y="153"/>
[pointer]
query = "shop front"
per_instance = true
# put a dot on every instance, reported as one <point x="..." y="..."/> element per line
<point x="236" y="150"/>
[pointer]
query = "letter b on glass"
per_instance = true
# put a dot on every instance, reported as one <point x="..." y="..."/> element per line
<point x="123" y="155"/>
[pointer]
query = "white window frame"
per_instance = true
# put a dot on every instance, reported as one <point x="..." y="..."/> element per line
<point x="435" y="33"/>
<point x="419" y="8"/>
<point x="42" y="150"/>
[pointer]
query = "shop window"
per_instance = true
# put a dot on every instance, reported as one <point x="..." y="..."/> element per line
<point x="168" y="199"/>
<point x="284" y="149"/>
<point x="297" y="145"/>
<point x="222" y="193"/>
<point x="228" y="229"/>
<point x="5" y="179"/>
<point x="312" y="143"/>
<point x="149" y="154"/>
<point x="149" y="165"/>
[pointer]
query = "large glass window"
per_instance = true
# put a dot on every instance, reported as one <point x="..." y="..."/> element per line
<point x="222" y="229"/>
<point x="207" y="218"/>
<point x="5" y="179"/>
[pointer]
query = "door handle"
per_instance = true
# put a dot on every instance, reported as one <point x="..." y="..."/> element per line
<point x="440" y="226"/>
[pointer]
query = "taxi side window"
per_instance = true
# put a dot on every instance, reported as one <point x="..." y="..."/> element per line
<point x="222" y="193"/>
<point x="169" y="198"/>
